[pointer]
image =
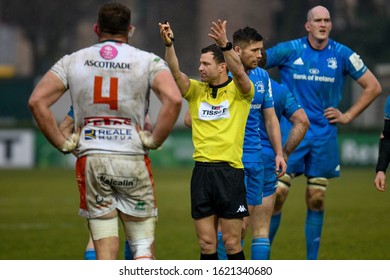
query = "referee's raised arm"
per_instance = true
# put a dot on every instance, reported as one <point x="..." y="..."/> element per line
<point x="234" y="64"/>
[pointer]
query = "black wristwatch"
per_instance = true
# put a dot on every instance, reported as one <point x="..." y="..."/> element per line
<point x="228" y="47"/>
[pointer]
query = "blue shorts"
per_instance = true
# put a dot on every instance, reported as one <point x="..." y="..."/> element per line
<point x="315" y="158"/>
<point x="254" y="178"/>
<point x="270" y="180"/>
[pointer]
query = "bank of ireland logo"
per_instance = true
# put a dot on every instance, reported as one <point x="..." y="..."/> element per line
<point x="90" y="134"/>
<point x="332" y="63"/>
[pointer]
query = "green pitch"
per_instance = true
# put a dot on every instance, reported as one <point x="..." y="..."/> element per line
<point x="39" y="218"/>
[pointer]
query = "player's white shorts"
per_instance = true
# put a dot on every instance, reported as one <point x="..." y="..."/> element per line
<point x="107" y="182"/>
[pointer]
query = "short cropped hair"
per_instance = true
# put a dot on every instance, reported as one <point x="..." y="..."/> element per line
<point x="216" y="51"/>
<point x="114" y="18"/>
<point x="246" y="35"/>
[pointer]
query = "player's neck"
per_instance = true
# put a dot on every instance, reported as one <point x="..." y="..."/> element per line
<point x="222" y="82"/>
<point x="222" y="79"/>
<point x="317" y="44"/>
<point x="110" y="37"/>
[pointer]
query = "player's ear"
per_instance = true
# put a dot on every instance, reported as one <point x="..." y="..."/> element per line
<point x="131" y="31"/>
<point x="222" y="67"/>
<point x="96" y="29"/>
<point x="237" y="49"/>
<point x="307" y="26"/>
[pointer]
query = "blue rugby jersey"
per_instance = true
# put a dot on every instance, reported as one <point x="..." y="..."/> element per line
<point x="316" y="78"/>
<point x="285" y="105"/>
<point x="387" y="108"/>
<point x="71" y="113"/>
<point x="262" y="99"/>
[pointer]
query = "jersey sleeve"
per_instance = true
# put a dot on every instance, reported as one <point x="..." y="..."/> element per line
<point x="268" y="98"/>
<point x="249" y="96"/>
<point x="292" y="104"/>
<point x="355" y="66"/>
<point x="157" y="65"/>
<point x="194" y="85"/>
<point x="59" y="69"/>
<point x="278" y="54"/>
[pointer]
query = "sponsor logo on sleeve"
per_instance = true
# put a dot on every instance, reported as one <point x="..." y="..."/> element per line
<point x="357" y="63"/>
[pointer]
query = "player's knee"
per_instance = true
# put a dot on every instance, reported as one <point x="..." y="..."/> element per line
<point x="282" y="190"/>
<point x="284" y="181"/>
<point x="317" y="183"/>
<point x="140" y="236"/>
<point x="103" y="228"/>
<point x="316" y="201"/>
<point x="317" y="187"/>
<point x="232" y="244"/>
<point x="280" y="198"/>
<point x="207" y="245"/>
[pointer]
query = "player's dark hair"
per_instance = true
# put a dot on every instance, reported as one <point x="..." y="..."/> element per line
<point x="216" y="51"/>
<point x="114" y="18"/>
<point x="246" y="35"/>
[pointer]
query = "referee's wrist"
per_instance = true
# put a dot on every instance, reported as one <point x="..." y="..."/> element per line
<point x="171" y="43"/>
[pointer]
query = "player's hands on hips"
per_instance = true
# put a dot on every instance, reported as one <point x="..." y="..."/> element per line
<point x="380" y="181"/>
<point x="148" y="140"/>
<point x="166" y="33"/>
<point x="219" y="33"/>
<point x="335" y="116"/>
<point x="70" y="144"/>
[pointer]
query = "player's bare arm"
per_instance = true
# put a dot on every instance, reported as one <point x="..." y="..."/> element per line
<point x="45" y="94"/>
<point x="168" y="93"/>
<point x="300" y="126"/>
<point x="181" y="79"/>
<point x="67" y="126"/>
<point x="371" y="90"/>
<point x="241" y="79"/>
<point x="273" y="131"/>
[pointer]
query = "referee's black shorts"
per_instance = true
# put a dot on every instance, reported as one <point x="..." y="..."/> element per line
<point x="218" y="189"/>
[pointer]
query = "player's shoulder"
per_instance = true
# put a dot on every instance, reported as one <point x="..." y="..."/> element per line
<point x="197" y="85"/>
<point x="298" y="43"/>
<point x="339" y="48"/>
<point x="288" y="48"/>
<point x="258" y="72"/>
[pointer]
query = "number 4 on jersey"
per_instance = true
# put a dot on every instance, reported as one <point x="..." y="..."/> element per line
<point x="112" y="99"/>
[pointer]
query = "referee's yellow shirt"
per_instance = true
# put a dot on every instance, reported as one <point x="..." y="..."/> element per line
<point x="218" y="124"/>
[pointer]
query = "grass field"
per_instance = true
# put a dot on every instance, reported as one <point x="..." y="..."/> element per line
<point x="39" y="218"/>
